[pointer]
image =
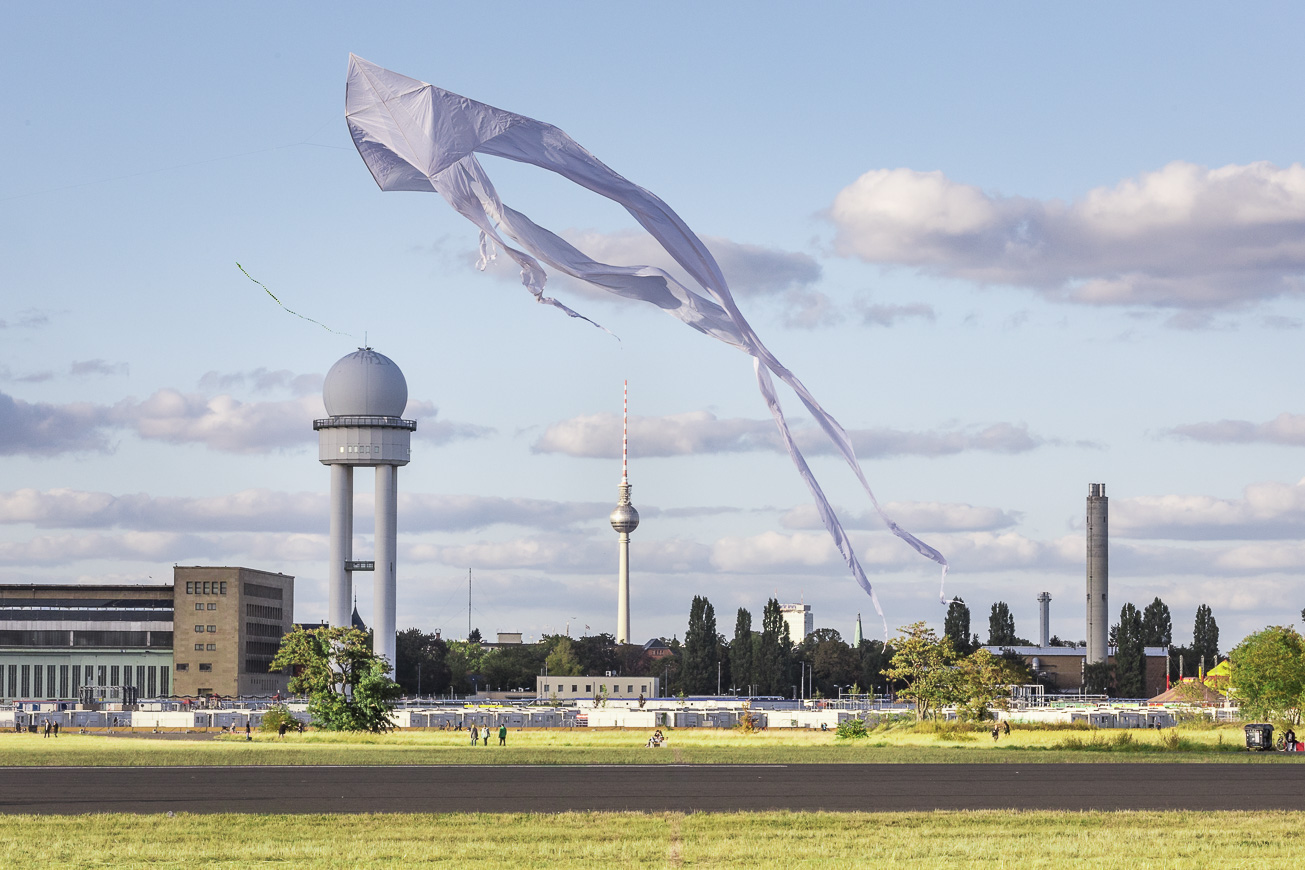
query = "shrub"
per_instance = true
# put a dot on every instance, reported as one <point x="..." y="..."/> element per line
<point x="274" y="716"/>
<point x="851" y="729"/>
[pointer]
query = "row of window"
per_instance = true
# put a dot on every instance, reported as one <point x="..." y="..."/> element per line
<point x="200" y="605"/>
<point x="211" y="629"/>
<point x="262" y="629"/>
<point x="258" y="590"/>
<point x="66" y="681"/>
<point x="64" y="638"/>
<point x="629" y="689"/>
<point x="200" y="647"/>
<point x="206" y="587"/>
<point x="203" y="666"/>
<point x="263" y="611"/>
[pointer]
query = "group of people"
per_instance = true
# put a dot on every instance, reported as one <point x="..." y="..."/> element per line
<point x="999" y="728"/>
<point x="657" y="739"/>
<point x="47" y="726"/>
<point x="479" y="733"/>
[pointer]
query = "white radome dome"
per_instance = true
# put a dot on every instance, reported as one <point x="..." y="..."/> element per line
<point x="365" y="384"/>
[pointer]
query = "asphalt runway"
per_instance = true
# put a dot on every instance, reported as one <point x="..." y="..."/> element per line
<point x="653" y="788"/>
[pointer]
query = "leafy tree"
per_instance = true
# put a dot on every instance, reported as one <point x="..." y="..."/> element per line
<point x="832" y="662"/>
<point x="984" y="681"/>
<point x="474" y="636"/>
<point x="562" y="661"/>
<point x="1130" y="655"/>
<point x="873" y="657"/>
<point x="1001" y="626"/>
<point x="1098" y="677"/>
<point x="415" y="649"/>
<point x="466" y="660"/>
<point x="597" y="654"/>
<point x="700" y="648"/>
<point x="1157" y="626"/>
<point x="347" y="685"/>
<point x="741" y="651"/>
<point x="1205" y="637"/>
<point x="775" y="652"/>
<point x="1268" y="674"/>
<point x="924" y="662"/>
<point x="273" y="717"/>
<point x="513" y="667"/>
<point x="957" y="625"/>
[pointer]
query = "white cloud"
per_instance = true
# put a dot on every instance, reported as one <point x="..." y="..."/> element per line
<point x="701" y="432"/>
<point x="1183" y="236"/>
<point x="752" y="270"/>
<point x="887" y="315"/>
<point x="30" y="318"/>
<point x="261" y="510"/>
<point x="1266" y="511"/>
<point x="262" y="380"/>
<point x="41" y="429"/>
<point x="1286" y="429"/>
<point x="222" y="422"/>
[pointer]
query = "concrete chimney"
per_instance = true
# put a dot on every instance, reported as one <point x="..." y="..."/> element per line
<point x="1098" y="574"/>
<point x="1044" y="619"/>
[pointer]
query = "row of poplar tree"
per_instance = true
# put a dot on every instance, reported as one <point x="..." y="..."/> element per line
<point x="1137" y="629"/>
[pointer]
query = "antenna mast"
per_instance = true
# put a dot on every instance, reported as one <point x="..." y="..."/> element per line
<point x="625" y="431"/>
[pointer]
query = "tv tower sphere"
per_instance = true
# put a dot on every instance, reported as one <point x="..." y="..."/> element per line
<point x="365" y="395"/>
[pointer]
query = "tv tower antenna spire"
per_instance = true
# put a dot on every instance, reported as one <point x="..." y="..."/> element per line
<point x="625" y="433"/>
<point x="625" y="519"/>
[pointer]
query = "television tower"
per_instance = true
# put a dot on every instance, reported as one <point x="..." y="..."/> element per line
<point x="365" y="395"/>
<point x="625" y="519"/>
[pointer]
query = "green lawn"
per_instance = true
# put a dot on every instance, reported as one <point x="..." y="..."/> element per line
<point x="900" y="744"/>
<point x="901" y="840"/>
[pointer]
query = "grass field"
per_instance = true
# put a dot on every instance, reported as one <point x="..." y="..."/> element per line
<point x="886" y="745"/>
<point x="901" y="840"/>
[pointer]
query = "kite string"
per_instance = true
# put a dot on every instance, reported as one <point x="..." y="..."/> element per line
<point x="283" y="306"/>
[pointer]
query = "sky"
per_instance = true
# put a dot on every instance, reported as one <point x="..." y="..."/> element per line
<point x="1013" y="250"/>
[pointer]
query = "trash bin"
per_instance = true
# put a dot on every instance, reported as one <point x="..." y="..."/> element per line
<point x="1259" y="737"/>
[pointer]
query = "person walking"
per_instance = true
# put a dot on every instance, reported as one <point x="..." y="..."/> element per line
<point x="248" y="735"/>
<point x="485" y="734"/>
<point x="475" y="735"/>
<point x="502" y="735"/>
<point x="45" y="728"/>
<point x="56" y="727"/>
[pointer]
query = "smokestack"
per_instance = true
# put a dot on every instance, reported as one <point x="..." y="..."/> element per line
<point x="1044" y="619"/>
<point x="1098" y="574"/>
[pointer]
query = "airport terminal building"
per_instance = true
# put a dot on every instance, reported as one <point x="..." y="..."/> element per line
<point x="213" y="630"/>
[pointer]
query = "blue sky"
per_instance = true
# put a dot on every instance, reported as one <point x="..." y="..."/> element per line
<point x="1015" y="251"/>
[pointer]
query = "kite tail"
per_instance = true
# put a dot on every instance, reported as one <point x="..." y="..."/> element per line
<point x="827" y="515"/>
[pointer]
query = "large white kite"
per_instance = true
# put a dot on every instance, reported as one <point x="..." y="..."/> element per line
<point x="414" y="136"/>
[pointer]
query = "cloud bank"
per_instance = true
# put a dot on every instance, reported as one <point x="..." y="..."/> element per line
<point x="598" y="436"/>
<point x="1288" y="429"/>
<point x="222" y="423"/>
<point x="1183" y="236"/>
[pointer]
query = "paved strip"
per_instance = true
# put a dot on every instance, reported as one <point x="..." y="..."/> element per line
<point x="654" y="788"/>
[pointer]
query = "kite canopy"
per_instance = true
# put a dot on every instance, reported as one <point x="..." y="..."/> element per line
<point x="415" y="136"/>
